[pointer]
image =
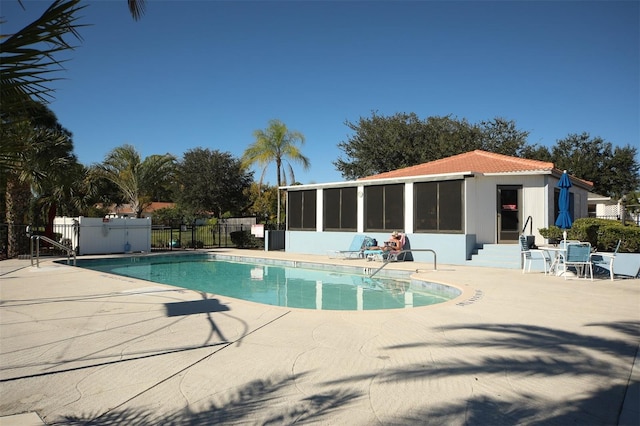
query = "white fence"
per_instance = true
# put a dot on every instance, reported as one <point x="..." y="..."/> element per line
<point x="91" y="235"/>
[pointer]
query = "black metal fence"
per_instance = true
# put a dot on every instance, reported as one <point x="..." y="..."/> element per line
<point x="21" y="238"/>
<point x="191" y="236"/>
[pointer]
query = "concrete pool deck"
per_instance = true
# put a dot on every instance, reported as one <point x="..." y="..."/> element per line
<point x="79" y="346"/>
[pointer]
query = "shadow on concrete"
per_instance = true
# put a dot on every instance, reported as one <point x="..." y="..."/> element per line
<point x="100" y="357"/>
<point x="204" y="306"/>
<point x="94" y="364"/>
<point x="191" y="307"/>
<point x="483" y="410"/>
<point x="541" y="352"/>
<point x="82" y="298"/>
<point x="245" y="406"/>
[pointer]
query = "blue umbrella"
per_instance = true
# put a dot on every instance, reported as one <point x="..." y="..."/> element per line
<point x="564" y="218"/>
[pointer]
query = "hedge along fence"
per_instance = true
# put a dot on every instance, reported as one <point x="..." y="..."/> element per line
<point x="603" y="234"/>
<point x="244" y="239"/>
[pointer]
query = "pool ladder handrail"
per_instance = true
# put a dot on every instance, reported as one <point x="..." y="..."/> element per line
<point x="387" y="261"/>
<point x="70" y="252"/>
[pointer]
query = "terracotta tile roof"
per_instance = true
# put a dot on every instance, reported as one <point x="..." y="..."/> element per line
<point x="126" y="208"/>
<point x="477" y="161"/>
<point x="157" y="205"/>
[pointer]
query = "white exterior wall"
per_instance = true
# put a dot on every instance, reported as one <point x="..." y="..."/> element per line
<point x="360" y="209"/>
<point x="471" y="204"/>
<point x="319" y="209"/>
<point x="550" y="219"/>
<point x="408" y="208"/>
<point x="481" y="205"/>
<point x="535" y="203"/>
<point x="481" y="210"/>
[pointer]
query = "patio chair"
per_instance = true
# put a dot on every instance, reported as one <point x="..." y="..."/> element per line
<point x="398" y="255"/>
<point x="529" y="255"/>
<point x="388" y="255"/>
<point x="356" y="249"/>
<point x="578" y="256"/>
<point x="605" y="260"/>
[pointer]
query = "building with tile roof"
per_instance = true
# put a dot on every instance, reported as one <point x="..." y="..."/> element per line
<point x="477" y="161"/>
<point x="125" y="210"/>
<point x="457" y="205"/>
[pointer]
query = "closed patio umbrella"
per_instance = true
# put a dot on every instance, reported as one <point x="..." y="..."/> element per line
<point x="563" y="220"/>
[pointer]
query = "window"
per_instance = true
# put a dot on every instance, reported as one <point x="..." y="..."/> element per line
<point x="439" y="206"/>
<point x="302" y="210"/>
<point x="384" y="207"/>
<point x="340" y="209"/>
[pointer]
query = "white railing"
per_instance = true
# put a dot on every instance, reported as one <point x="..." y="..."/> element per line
<point x="70" y="252"/>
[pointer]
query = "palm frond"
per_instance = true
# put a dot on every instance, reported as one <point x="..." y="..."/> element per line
<point x="136" y="7"/>
<point x="28" y="57"/>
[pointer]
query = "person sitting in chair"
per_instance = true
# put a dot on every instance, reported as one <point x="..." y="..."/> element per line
<point x="394" y="243"/>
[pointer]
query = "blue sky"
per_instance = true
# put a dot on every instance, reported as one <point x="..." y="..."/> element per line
<point x="207" y="74"/>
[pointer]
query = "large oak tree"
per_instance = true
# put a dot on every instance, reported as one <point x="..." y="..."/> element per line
<point x="379" y="144"/>
<point x="382" y="143"/>
<point x="211" y="182"/>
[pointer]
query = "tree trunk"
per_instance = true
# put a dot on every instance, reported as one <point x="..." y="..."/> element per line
<point x="17" y="198"/>
<point x="278" y="189"/>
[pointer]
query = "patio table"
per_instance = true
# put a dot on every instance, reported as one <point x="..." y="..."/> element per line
<point x="555" y="253"/>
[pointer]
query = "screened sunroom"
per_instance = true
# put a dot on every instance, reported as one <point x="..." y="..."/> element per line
<point x="476" y="199"/>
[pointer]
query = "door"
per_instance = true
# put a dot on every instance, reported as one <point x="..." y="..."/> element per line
<point x="509" y="213"/>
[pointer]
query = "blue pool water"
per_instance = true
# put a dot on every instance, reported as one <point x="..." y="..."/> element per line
<point x="274" y="284"/>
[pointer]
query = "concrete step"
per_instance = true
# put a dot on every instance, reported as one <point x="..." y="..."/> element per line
<point x="505" y="256"/>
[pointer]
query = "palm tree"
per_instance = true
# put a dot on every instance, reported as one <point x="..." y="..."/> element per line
<point x="135" y="178"/>
<point x="28" y="60"/>
<point x="42" y="163"/>
<point x="276" y="144"/>
<point x="69" y="194"/>
<point x="32" y="154"/>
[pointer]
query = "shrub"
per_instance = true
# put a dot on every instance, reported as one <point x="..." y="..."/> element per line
<point x="552" y="233"/>
<point x="244" y="239"/>
<point x="603" y="234"/>
<point x="196" y="244"/>
<point x="239" y="238"/>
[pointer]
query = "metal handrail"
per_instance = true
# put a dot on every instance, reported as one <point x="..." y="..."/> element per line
<point x="530" y="222"/>
<point x="70" y="252"/>
<point x="387" y="261"/>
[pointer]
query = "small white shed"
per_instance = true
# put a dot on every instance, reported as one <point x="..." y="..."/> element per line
<point x="95" y="235"/>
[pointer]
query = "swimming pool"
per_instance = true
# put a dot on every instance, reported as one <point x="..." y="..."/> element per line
<point x="276" y="284"/>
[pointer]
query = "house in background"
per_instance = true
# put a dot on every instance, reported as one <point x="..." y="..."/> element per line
<point x="604" y="207"/>
<point x="125" y="210"/>
<point x="456" y="206"/>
